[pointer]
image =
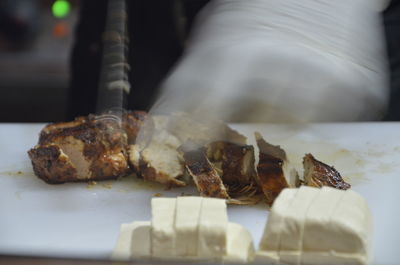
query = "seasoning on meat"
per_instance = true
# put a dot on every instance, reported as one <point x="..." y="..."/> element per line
<point x="318" y="174"/>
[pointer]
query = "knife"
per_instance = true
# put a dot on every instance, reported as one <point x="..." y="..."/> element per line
<point x="114" y="85"/>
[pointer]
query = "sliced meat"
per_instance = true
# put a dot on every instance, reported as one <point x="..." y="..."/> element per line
<point x="236" y="165"/>
<point x="134" y="122"/>
<point x="89" y="148"/>
<point x="318" y="174"/>
<point x="160" y="163"/>
<point x="204" y="174"/>
<point x="270" y="169"/>
<point x="159" y="160"/>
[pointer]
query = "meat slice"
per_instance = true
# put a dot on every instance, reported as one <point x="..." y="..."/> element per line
<point x="272" y="169"/>
<point x="88" y="148"/>
<point x="318" y="174"/>
<point x="236" y="166"/>
<point x="135" y="121"/>
<point x="158" y="159"/>
<point x="204" y="174"/>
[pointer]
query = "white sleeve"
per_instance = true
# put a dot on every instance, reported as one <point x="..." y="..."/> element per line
<point x="267" y="60"/>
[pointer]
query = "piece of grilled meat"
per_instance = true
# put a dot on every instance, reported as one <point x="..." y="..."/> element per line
<point x="272" y="169"/>
<point x="204" y="174"/>
<point x="318" y="174"/>
<point x="88" y="148"/>
<point x="236" y="166"/>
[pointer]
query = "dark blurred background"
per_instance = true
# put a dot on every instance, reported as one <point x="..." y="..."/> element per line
<point x="50" y="52"/>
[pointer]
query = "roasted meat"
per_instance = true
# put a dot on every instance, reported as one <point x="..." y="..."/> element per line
<point x="273" y="169"/>
<point x="236" y="166"/>
<point x="88" y="148"/>
<point x="157" y="159"/>
<point x="318" y="174"/>
<point x="204" y="174"/>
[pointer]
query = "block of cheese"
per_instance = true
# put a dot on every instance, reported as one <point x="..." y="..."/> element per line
<point x="193" y="221"/>
<point x="269" y="244"/>
<point x="186" y="225"/>
<point x="122" y="249"/>
<point x="239" y="248"/>
<point x="318" y="229"/>
<point x="213" y="225"/>
<point x="332" y="227"/>
<point x="140" y="241"/>
<point x="293" y="225"/>
<point x="162" y="227"/>
<point x="349" y="235"/>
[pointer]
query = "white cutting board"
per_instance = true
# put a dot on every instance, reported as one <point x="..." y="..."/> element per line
<point x="83" y="220"/>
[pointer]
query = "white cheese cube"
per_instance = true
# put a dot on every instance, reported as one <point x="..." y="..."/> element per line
<point x="162" y="227"/>
<point x="293" y="225"/>
<point x="240" y="248"/>
<point x="271" y="237"/>
<point x="187" y="225"/>
<point x="212" y="228"/>
<point x="122" y="249"/>
<point x="140" y="241"/>
<point x="318" y="232"/>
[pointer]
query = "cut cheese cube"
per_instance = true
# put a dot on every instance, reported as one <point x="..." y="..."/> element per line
<point x="293" y="225"/>
<point x="122" y="249"/>
<point x="269" y="244"/>
<point x="140" y="241"/>
<point x="187" y="224"/>
<point x="332" y="258"/>
<point x="318" y="231"/>
<point x="240" y="248"/>
<point x="331" y="227"/>
<point x="271" y="237"/>
<point x="212" y="228"/>
<point x="345" y="239"/>
<point x="162" y="227"/>
<point x="266" y="257"/>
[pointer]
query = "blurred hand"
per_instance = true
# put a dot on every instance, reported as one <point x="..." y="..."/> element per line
<point x="282" y="61"/>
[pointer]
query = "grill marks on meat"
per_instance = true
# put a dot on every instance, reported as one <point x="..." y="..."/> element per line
<point x="205" y="176"/>
<point x="318" y="174"/>
<point x="270" y="169"/>
<point x="88" y="148"/>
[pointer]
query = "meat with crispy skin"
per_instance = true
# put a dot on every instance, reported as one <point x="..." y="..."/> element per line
<point x="270" y="169"/>
<point x="204" y="174"/>
<point x="318" y="174"/>
<point x="88" y="148"/>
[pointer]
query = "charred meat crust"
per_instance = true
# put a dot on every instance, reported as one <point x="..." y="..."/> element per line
<point x="269" y="169"/>
<point x="51" y="165"/>
<point x="134" y="121"/>
<point x="319" y="174"/>
<point x="150" y="173"/>
<point x="204" y="174"/>
<point x="237" y="164"/>
<point x="100" y="142"/>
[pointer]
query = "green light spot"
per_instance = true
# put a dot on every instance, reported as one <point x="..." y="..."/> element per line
<point x="61" y="8"/>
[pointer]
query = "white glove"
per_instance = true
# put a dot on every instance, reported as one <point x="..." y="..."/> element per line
<point x="282" y="61"/>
